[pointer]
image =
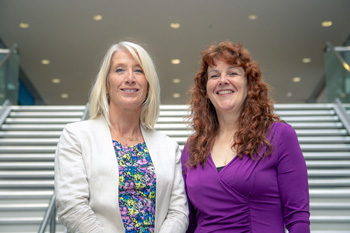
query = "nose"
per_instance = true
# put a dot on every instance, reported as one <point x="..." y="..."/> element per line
<point x="130" y="78"/>
<point x="222" y="79"/>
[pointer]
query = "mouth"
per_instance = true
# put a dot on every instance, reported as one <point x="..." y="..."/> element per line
<point x="129" y="89"/>
<point x="223" y="92"/>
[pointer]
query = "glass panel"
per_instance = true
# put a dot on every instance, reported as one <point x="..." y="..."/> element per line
<point x="337" y="77"/>
<point x="9" y="78"/>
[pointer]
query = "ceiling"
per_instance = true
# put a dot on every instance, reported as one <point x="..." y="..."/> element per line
<point x="64" y="32"/>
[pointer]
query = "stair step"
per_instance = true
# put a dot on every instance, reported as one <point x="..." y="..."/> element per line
<point x="318" y="132"/>
<point x="322" y="205"/>
<point x="329" y="164"/>
<point x="325" y="147"/>
<point x="310" y="118"/>
<point x="328" y="173"/>
<point x="30" y="134"/>
<point x="45" y="114"/>
<point x="47" y="108"/>
<point x="26" y="183"/>
<point x="27" y="194"/>
<point x="330" y="193"/>
<point x="321" y="155"/>
<point x="29" y="141"/>
<point x="311" y="125"/>
<point x="41" y="120"/>
<point x="27" y="174"/>
<point x="28" y="149"/>
<point x="304" y="112"/>
<point x="329" y="182"/>
<point x="26" y="165"/>
<point x="23" y="207"/>
<point x="24" y="127"/>
<point x="27" y="157"/>
<point x="327" y="139"/>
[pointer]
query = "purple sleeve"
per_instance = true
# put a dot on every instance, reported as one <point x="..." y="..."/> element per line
<point x="293" y="181"/>
<point x="192" y="213"/>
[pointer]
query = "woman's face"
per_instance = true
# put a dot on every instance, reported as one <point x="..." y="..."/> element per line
<point x="128" y="85"/>
<point x="226" y="87"/>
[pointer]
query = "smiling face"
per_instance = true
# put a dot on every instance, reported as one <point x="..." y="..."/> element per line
<point x="127" y="83"/>
<point x="226" y="87"/>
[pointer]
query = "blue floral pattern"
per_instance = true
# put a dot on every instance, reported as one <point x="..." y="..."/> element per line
<point x="137" y="187"/>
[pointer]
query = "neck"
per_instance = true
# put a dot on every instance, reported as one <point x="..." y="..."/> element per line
<point x="228" y="124"/>
<point x="125" y="124"/>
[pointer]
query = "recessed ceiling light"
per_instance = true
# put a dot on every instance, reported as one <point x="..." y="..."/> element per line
<point x="24" y="25"/>
<point x="175" y="25"/>
<point x="64" y="95"/>
<point x="176" y="95"/>
<point x="45" y="62"/>
<point x="176" y="80"/>
<point x="253" y="17"/>
<point x="175" y="61"/>
<point x="327" y="23"/>
<point x="289" y="94"/>
<point x="56" y="80"/>
<point x="296" y="79"/>
<point x="346" y="66"/>
<point x="97" y="17"/>
<point x="306" y="60"/>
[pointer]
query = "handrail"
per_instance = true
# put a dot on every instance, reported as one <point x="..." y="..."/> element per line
<point x="322" y="82"/>
<point x="12" y="50"/>
<point x="341" y="112"/>
<point x="340" y="59"/>
<point x="50" y="214"/>
<point x="5" y="111"/>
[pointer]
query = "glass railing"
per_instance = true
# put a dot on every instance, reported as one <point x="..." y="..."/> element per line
<point x="337" y="73"/>
<point x="9" y="72"/>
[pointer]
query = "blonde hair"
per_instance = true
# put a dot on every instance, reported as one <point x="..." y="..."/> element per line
<point x="99" y="101"/>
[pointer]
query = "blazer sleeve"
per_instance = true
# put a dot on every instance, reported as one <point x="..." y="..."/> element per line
<point x="293" y="181"/>
<point x="177" y="218"/>
<point x="71" y="185"/>
<point x="192" y="212"/>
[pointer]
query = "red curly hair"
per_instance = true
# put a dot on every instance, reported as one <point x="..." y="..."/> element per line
<point x="257" y="111"/>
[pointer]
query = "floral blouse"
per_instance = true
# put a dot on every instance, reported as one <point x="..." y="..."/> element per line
<point x="137" y="187"/>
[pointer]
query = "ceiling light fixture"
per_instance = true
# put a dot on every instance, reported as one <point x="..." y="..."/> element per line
<point x="45" y="62"/>
<point x="56" y="80"/>
<point x="24" y="25"/>
<point x="176" y="80"/>
<point x="296" y="79"/>
<point x="175" y="25"/>
<point x="97" y="17"/>
<point x="253" y="17"/>
<point x="327" y="23"/>
<point x="289" y="94"/>
<point x="64" y="95"/>
<point x="175" y="61"/>
<point x="176" y="95"/>
<point x="306" y="60"/>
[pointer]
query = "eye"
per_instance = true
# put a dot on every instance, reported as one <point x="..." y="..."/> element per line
<point x="213" y="76"/>
<point x="233" y="73"/>
<point x="119" y="70"/>
<point x="139" y="70"/>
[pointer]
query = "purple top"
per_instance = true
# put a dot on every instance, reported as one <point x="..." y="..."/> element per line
<point x="251" y="196"/>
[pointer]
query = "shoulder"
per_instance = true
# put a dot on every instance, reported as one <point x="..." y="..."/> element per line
<point x="86" y="126"/>
<point x="281" y="128"/>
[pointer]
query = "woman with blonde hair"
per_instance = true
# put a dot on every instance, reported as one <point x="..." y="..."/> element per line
<point x="243" y="167"/>
<point x="114" y="172"/>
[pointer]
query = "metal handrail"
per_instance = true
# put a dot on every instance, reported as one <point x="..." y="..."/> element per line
<point x="340" y="59"/>
<point x="12" y="50"/>
<point x="341" y="112"/>
<point x="322" y="82"/>
<point x="5" y="111"/>
<point x="50" y="214"/>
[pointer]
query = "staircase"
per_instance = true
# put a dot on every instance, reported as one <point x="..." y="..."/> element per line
<point x="28" y="140"/>
<point x="29" y="136"/>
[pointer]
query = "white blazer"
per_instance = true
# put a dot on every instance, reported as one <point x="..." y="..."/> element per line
<point x="86" y="180"/>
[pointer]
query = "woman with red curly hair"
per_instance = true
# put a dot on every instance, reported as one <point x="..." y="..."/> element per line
<point x="243" y="167"/>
